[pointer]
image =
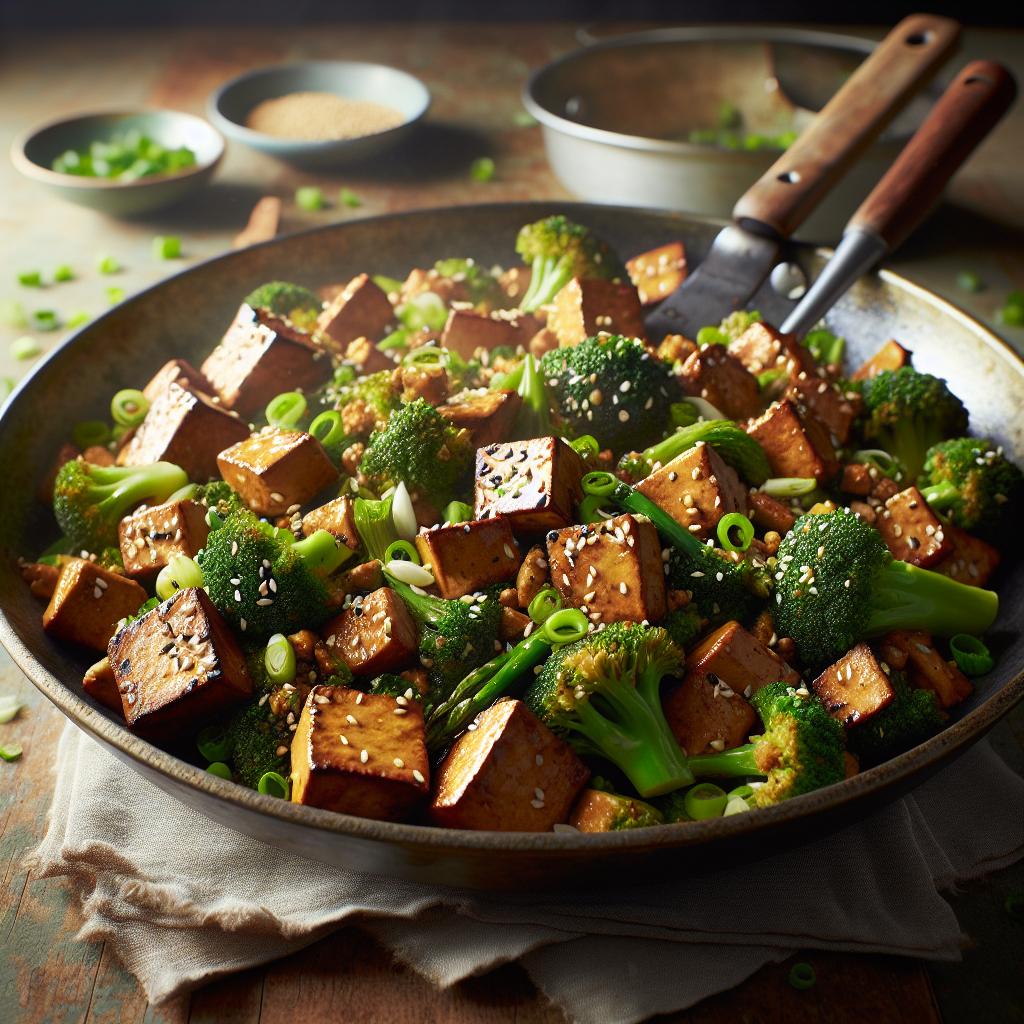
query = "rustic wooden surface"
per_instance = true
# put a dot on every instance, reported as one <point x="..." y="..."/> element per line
<point x="474" y="74"/>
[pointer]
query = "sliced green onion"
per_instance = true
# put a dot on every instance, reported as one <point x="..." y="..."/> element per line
<point x="279" y="659"/>
<point x="274" y="784"/>
<point x="220" y="769"/>
<point x="25" y="347"/>
<point x="586" y="445"/>
<point x="802" y="976"/>
<point x="789" y="486"/>
<point x="214" y="520"/>
<point x="11" y="751"/>
<point x="213" y="743"/>
<point x="166" y="247"/>
<point x="404" y="551"/>
<point x="683" y="414"/>
<point x="348" y="198"/>
<point x="523" y="119"/>
<point x="565" y="626"/>
<point x="426" y="355"/>
<point x="591" y="509"/>
<point x="286" y="409"/>
<point x="115" y="295"/>
<point x="969" y="281"/>
<point x="327" y="429"/>
<point x="107" y="265"/>
<point x="30" y="278"/>
<point x="309" y="198"/>
<point x="739" y="522"/>
<point x="545" y="603"/>
<point x="705" y="800"/>
<point x="396" y="340"/>
<point x="599" y="483"/>
<point x="971" y="655"/>
<point x="482" y="168"/>
<point x="9" y="708"/>
<point x="1012" y="314"/>
<point x="180" y="572"/>
<point x="12" y="314"/>
<point x="77" y="319"/>
<point x="735" y="805"/>
<point x="769" y="377"/>
<point x="743" y="792"/>
<point x="881" y="460"/>
<point x="6" y="387"/>
<point x="387" y="284"/>
<point x="424" y="310"/>
<point x="64" y="273"/>
<point x="90" y="433"/>
<point x="128" y="407"/>
<point x="712" y="336"/>
<point x="457" y="512"/>
<point x="45" y="320"/>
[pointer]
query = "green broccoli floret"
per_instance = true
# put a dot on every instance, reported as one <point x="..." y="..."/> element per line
<point x="373" y="394"/>
<point x="256" y="733"/>
<point x="483" y="287"/>
<point x="616" y="813"/>
<point x="289" y="301"/>
<point x="912" y="716"/>
<point x="906" y="412"/>
<point x="972" y="482"/>
<point x="559" y="250"/>
<point x="684" y="625"/>
<point x="392" y="685"/>
<point x="263" y="581"/>
<point x="729" y="439"/>
<point x="836" y="584"/>
<point x="89" y="501"/>
<point x="800" y="750"/>
<point x="612" y="387"/>
<point x="421" y="449"/>
<point x="219" y="497"/>
<point x="602" y="693"/>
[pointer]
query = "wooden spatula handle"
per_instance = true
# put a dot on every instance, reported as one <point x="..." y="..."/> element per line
<point x="968" y="110"/>
<point x="780" y="201"/>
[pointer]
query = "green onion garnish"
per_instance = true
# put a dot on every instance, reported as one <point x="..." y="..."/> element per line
<point x="802" y="976"/>
<point x="789" y="486"/>
<point x="705" y="800"/>
<point x="712" y="336"/>
<point x="126" y="156"/>
<point x="213" y="743"/>
<point x="969" y="281"/>
<point x="286" y="409"/>
<point x="971" y="655"/>
<point x="565" y="626"/>
<point x="274" y="784"/>
<point x="30" y="278"/>
<point x="89" y="433"/>
<point x="115" y="295"/>
<point x="427" y="355"/>
<point x="45" y="320"/>
<point x="180" y="572"/>
<point x="25" y="347"/>
<point x="309" y="198"/>
<point x="591" y="509"/>
<point x="108" y="265"/>
<point x="523" y="119"/>
<point x="77" y="319"/>
<point x="545" y="603"/>
<point x="348" y="198"/>
<point x="220" y="769"/>
<point x="739" y="522"/>
<point x="128" y="407"/>
<point x="9" y="708"/>
<point x="586" y="445"/>
<point x="12" y="314"/>
<point x="6" y="387"/>
<point x="279" y="659"/>
<point x="402" y="551"/>
<point x="880" y="460"/>
<point x="482" y="168"/>
<point x="387" y="284"/>
<point x="599" y="483"/>
<point x="213" y="519"/>
<point x="457" y="512"/>
<point x="743" y="792"/>
<point x="11" y="751"/>
<point x="166" y="247"/>
<point x="64" y="273"/>
<point x="327" y="428"/>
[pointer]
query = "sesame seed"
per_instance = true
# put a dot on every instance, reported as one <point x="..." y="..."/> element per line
<point x="398" y="762"/>
<point x="344" y="739"/>
<point x="351" y="719"/>
<point x="418" y="775"/>
<point x="363" y="757"/>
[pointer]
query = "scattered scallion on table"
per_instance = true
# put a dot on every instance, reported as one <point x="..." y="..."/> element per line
<point x="969" y="281"/>
<point x="77" y="319"/>
<point x="64" y="273"/>
<point x="12" y="314"/>
<point x="166" y="247"/>
<point x="108" y="265"/>
<point x="349" y="198"/>
<point x="115" y="295"/>
<point x="11" y="751"/>
<point x="30" y="278"/>
<point x="9" y="708"/>
<point x="309" y="198"/>
<point x="482" y="168"/>
<point x="45" y="320"/>
<point x="802" y="976"/>
<point x="25" y="347"/>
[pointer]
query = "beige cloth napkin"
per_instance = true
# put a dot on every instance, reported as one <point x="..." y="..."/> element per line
<point x="183" y="900"/>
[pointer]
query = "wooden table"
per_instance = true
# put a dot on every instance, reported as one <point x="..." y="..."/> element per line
<point x="474" y="73"/>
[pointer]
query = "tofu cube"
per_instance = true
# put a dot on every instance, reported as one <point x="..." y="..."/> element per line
<point x="366" y="358"/>
<point x="185" y="428"/>
<point x="261" y="356"/>
<point x="360" y="753"/>
<point x="87" y="603"/>
<point x="770" y="513"/>
<point x="855" y="687"/>
<point x="360" y="310"/>
<point x="509" y="774"/>
<point x="427" y="382"/>
<point x="100" y="684"/>
<point x="891" y="356"/>
<point x="611" y="569"/>
<point x="276" y="469"/>
<point x="181" y="372"/>
<point x="721" y="379"/>
<point x="818" y="397"/>
<point x="375" y="634"/>
<point x="912" y="531"/>
<point x="467" y="556"/>
<point x="338" y="518"/>
<point x="532" y="577"/>
<point x="488" y="416"/>
<point x="739" y="660"/>
<point x="857" y="479"/>
<point x="598" y="811"/>
<point x="467" y="331"/>
<point x="589" y="306"/>
<point x="971" y="560"/>
<point x="177" y="667"/>
<point x="794" y="446"/>
<point x="534" y="484"/>
<point x="706" y="716"/>
<point x="927" y="669"/>
<point x="658" y="272"/>
<point x="761" y="347"/>
<point x="151" y="536"/>
<point x="696" y="489"/>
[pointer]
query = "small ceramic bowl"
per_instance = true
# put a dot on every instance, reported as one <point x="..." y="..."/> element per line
<point x="34" y="152"/>
<point x="230" y="106"/>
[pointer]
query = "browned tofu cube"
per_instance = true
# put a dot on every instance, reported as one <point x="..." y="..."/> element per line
<point x="675" y="348"/>
<point x="705" y="715"/>
<point x="100" y="684"/>
<point x="721" y="379"/>
<point x="186" y="429"/>
<point x="658" y="272"/>
<point x="508" y="774"/>
<point x="364" y="355"/>
<point x="927" y="669"/>
<point x="40" y="577"/>
<point x="818" y="397"/>
<point x="769" y="513"/>
<point x="761" y="347"/>
<point x="912" y="531"/>
<point x="794" y="446"/>
<point x="857" y="479"/>
<point x="360" y="310"/>
<point x="514" y="282"/>
<point x="696" y="489"/>
<point x="360" y="753"/>
<point x="855" y="687"/>
<point x="487" y="415"/>
<point x="532" y="577"/>
<point x="88" y="602"/>
<point x="612" y="569"/>
<point x="178" y="666"/>
<point x="337" y="517"/>
<point x="261" y="356"/>
<point x="181" y="372"/>
<point x="739" y="660"/>
<point x="468" y="331"/>
<point x="534" y="484"/>
<point x="598" y="811"/>
<point x="891" y="356"/>
<point x="427" y="382"/>
<point x="276" y="469"/>
<point x="588" y="306"/>
<point x="468" y="556"/>
<point x="374" y="634"/>
<point x="150" y="537"/>
<point x="971" y="561"/>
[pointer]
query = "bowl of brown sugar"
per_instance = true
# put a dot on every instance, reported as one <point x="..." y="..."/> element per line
<point x="320" y="113"/>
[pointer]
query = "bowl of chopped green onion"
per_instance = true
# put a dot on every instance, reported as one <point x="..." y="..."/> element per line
<point x="121" y="163"/>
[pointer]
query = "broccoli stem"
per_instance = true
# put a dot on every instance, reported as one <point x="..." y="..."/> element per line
<point x="534" y="417"/>
<point x="726" y="764"/>
<point x="425" y="607"/>
<point x="322" y="552"/>
<point x="375" y="526"/>
<point x="906" y="597"/>
<point x="123" y="486"/>
<point x="941" y="495"/>
<point x="633" y="501"/>
<point x="547" y="278"/>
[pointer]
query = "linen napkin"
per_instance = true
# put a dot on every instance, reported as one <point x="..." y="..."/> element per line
<point x="183" y="900"/>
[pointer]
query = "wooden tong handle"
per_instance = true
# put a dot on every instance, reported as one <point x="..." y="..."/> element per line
<point x="968" y="110"/>
<point x="779" y="202"/>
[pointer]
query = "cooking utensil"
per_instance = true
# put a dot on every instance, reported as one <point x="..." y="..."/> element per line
<point x="969" y="109"/>
<point x="745" y="252"/>
<point x="131" y="341"/>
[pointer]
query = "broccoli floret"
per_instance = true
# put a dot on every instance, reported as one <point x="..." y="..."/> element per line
<point x="729" y="439"/>
<point x="800" y="750"/>
<point x="287" y="300"/>
<point x="256" y="734"/>
<point x="730" y="328"/>
<point x="684" y="625"/>
<point x="602" y="693"/>
<point x="263" y="581"/>
<point x="483" y="287"/>
<point x="912" y="716"/>
<point x="218" y="496"/>
<point x="392" y="685"/>
<point x="366" y="403"/>
<point x="421" y="449"/>
<point x="612" y="387"/>
<point x="559" y="250"/>
<point x="906" y="412"/>
<point x="836" y="584"/>
<point x="89" y="501"/>
<point x="972" y="482"/>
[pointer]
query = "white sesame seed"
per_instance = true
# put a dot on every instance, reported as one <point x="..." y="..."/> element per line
<point x="418" y="775"/>
<point x="363" y="756"/>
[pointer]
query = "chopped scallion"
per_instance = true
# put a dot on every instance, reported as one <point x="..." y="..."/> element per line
<point x="108" y="265"/>
<point x="220" y="769"/>
<point x="309" y="198"/>
<point x="545" y="603"/>
<point x="64" y="273"/>
<point x="12" y="314"/>
<point x="969" y="281"/>
<point x="279" y="659"/>
<point x="213" y="743"/>
<point x="45" y="320"/>
<point x="128" y="407"/>
<point x="25" y="347"/>
<point x="802" y="976"/>
<point x="348" y="198"/>
<point x="30" y="278"/>
<point x="457" y="512"/>
<point x="11" y="751"/>
<point x="90" y="433"/>
<point x="274" y="784"/>
<point x="9" y="708"/>
<point x="115" y="295"/>
<point x="402" y="550"/>
<point x="705" y="800"/>
<point x="286" y="409"/>
<point x="971" y="655"/>
<point x="482" y="168"/>
<point x="744" y="531"/>
<point x="166" y="247"/>
<point x="180" y="572"/>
